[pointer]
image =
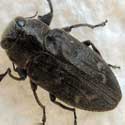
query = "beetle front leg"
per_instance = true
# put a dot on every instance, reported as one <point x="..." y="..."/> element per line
<point x="3" y="75"/>
<point x="48" y="17"/>
<point x="53" y="99"/>
<point x="69" y="28"/>
<point x="22" y="75"/>
<point x="21" y="72"/>
<point x="34" y="88"/>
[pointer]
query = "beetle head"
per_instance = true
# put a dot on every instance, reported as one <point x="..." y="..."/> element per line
<point x="20" y="29"/>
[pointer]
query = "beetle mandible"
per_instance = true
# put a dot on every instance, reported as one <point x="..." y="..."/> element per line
<point x="56" y="61"/>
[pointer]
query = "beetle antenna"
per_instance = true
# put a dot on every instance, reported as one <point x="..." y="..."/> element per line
<point x="33" y="15"/>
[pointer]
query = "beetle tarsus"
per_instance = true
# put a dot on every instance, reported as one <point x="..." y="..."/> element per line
<point x="98" y="25"/>
<point x="114" y="66"/>
<point x="75" y="117"/>
<point x="3" y="75"/>
<point x="34" y="88"/>
<point x="53" y="99"/>
<point x="69" y="28"/>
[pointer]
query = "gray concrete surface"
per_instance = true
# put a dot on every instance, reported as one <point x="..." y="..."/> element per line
<point x="17" y="105"/>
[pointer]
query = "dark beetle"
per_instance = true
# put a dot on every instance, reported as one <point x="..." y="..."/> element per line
<point x="56" y="61"/>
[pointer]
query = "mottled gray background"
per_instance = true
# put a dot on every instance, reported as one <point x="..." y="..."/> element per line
<point x="17" y="105"/>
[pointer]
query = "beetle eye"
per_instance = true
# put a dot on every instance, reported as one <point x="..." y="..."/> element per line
<point x="20" y="22"/>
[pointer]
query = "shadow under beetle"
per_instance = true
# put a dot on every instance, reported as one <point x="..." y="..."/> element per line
<point x="56" y="61"/>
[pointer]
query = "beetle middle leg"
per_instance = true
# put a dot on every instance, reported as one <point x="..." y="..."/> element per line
<point x="114" y="66"/>
<point x="88" y="43"/>
<point x="69" y="28"/>
<point x="53" y="99"/>
<point x="34" y="88"/>
<point x="48" y="17"/>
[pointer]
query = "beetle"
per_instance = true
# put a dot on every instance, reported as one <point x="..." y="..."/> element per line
<point x="56" y="61"/>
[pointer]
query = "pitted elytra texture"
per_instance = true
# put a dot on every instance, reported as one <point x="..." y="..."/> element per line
<point x="59" y="63"/>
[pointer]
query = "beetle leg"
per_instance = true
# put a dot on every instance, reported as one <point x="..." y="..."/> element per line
<point x="8" y="71"/>
<point x="69" y="28"/>
<point x="21" y="72"/>
<point x="53" y="99"/>
<point x="48" y="17"/>
<point x="88" y="43"/>
<point x="114" y="66"/>
<point x="3" y="75"/>
<point x="34" y="88"/>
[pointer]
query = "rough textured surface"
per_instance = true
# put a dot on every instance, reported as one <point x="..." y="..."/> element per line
<point x="17" y="105"/>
